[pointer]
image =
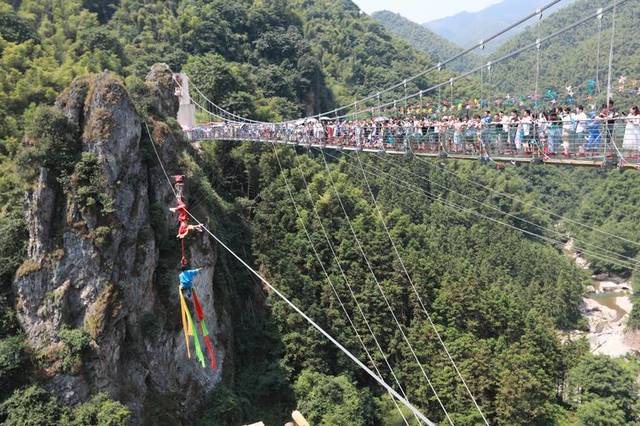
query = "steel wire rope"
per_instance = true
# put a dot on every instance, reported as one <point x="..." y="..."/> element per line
<point x="501" y="59"/>
<point x="281" y="295"/>
<point x="333" y="288"/>
<point x="403" y="183"/>
<point x="204" y="109"/>
<point x="525" y="203"/>
<point x="609" y="128"/>
<point x="384" y="297"/>
<point x="438" y="67"/>
<point x="514" y="216"/>
<point x="538" y="45"/>
<point x="415" y="289"/>
<point x="337" y="261"/>
<point x="613" y="34"/>
<point x="470" y="72"/>
<point x="598" y="51"/>
<point x="416" y="189"/>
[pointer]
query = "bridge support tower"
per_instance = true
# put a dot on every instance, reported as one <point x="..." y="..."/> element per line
<point x="187" y="110"/>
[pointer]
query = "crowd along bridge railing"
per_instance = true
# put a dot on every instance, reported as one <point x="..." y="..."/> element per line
<point x="595" y="142"/>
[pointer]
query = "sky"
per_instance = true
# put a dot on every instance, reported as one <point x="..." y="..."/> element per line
<point x="422" y="11"/>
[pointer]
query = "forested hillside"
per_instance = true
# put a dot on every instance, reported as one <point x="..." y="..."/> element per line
<point x="437" y="47"/>
<point x="572" y="59"/>
<point x="89" y="317"/>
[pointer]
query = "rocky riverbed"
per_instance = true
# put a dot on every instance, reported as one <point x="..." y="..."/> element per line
<point x="607" y="306"/>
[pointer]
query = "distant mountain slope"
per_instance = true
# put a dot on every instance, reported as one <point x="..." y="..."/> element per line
<point x="467" y="28"/>
<point x="570" y="59"/>
<point x="425" y="40"/>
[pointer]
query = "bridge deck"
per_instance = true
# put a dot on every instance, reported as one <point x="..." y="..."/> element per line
<point x="500" y="158"/>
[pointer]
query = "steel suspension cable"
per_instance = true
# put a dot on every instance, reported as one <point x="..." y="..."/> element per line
<point x="515" y="198"/>
<point x="633" y="261"/>
<point x="538" y="45"/>
<point x="613" y="34"/>
<point x="456" y="207"/>
<point x="378" y="379"/>
<point x="501" y="59"/>
<point x="330" y="281"/>
<point x="438" y="67"/>
<point x="415" y="289"/>
<point x="380" y="289"/>
<point x="598" y="51"/>
<point x="204" y="109"/>
<point x="609" y="139"/>
<point x="342" y="273"/>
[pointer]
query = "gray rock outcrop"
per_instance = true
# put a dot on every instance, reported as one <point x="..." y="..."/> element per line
<point x="101" y="269"/>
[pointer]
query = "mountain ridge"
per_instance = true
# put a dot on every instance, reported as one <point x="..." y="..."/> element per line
<point x="466" y="28"/>
<point x="437" y="47"/>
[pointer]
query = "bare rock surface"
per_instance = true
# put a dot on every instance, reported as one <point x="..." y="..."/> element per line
<point x="98" y="270"/>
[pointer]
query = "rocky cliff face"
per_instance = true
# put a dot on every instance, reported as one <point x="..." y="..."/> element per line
<point x="94" y="259"/>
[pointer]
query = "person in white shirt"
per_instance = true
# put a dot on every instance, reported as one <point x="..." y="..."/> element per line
<point x="631" y="140"/>
<point x="566" y="131"/>
<point x="526" y="123"/>
<point x="581" y="125"/>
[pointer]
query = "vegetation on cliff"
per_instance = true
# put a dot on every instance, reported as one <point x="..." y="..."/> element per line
<point x="500" y="298"/>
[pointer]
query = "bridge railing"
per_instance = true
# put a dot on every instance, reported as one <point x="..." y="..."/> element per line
<point x="616" y="141"/>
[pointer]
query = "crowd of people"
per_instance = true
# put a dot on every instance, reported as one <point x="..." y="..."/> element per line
<point x="560" y="131"/>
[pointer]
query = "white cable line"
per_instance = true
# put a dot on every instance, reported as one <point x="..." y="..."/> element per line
<point x="248" y="120"/>
<point x="458" y="208"/>
<point x="524" y="203"/>
<point x="633" y="261"/>
<point x="343" y="274"/>
<point x="598" y="54"/>
<point x="413" y="409"/>
<point x="415" y="290"/>
<point x="205" y="109"/>
<point x="384" y="296"/>
<point x="335" y="292"/>
<point x="596" y="255"/>
<point x="468" y="73"/>
<point x="613" y="34"/>
<point x="438" y="66"/>
<point x="501" y="59"/>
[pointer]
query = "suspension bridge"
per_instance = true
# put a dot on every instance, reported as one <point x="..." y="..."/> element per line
<point x="363" y="128"/>
<point x="601" y="139"/>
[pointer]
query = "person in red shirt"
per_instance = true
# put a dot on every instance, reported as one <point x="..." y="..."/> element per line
<point x="184" y="229"/>
<point x="181" y="208"/>
<point x="183" y="218"/>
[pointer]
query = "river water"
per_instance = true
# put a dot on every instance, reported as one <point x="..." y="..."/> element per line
<point x="606" y="306"/>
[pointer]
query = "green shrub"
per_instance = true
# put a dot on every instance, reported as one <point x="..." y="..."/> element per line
<point x="51" y="142"/>
<point x="223" y="408"/>
<point x="100" y="235"/>
<point x="8" y="321"/>
<point x="32" y="406"/>
<point x="76" y="344"/>
<point x="88" y="183"/>
<point x="140" y="95"/>
<point x="14" y="363"/>
<point x="13" y="247"/>
<point x="101" y="411"/>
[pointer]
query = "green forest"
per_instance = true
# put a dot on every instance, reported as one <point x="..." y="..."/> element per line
<point x="577" y="57"/>
<point x="481" y="247"/>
